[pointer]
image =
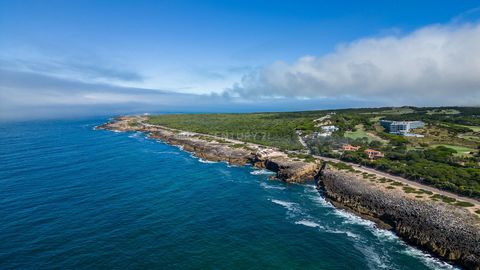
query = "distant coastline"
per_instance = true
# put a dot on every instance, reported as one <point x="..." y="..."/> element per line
<point x="445" y="230"/>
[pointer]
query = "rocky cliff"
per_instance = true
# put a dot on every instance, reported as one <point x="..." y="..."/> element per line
<point x="219" y="149"/>
<point x="446" y="231"/>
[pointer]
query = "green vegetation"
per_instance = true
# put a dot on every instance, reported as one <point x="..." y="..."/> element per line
<point x="464" y="204"/>
<point x="428" y="192"/>
<point x="359" y="133"/>
<point x="473" y="128"/>
<point x="408" y="189"/>
<point x="305" y="157"/>
<point x="443" y="198"/>
<point x="396" y="183"/>
<point x="458" y="149"/>
<point x="444" y="111"/>
<point x="238" y="145"/>
<point x="447" y="157"/>
<point x="411" y="190"/>
<point x="273" y="129"/>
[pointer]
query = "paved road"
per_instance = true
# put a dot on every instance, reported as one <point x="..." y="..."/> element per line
<point x="396" y="178"/>
<point x="403" y="180"/>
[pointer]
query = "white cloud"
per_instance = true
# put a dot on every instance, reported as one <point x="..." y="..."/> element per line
<point x="435" y="65"/>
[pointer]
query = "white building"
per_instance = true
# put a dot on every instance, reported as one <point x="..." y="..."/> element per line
<point x="326" y="131"/>
<point x="330" y="129"/>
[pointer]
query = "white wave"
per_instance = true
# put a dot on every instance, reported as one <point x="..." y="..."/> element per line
<point x="374" y="260"/>
<point x="262" y="172"/>
<point x="313" y="224"/>
<point x="385" y="234"/>
<point x="320" y="200"/>
<point x="353" y="219"/>
<point x="179" y="147"/>
<point x="427" y="259"/>
<point x="308" y="223"/>
<point x="231" y="165"/>
<point x="430" y="261"/>
<point x="267" y="186"/>
<point x="206" y="161"/>
<point x="352" y="235"/>
<point x="381" y="234"/>
<point x="135" y="135"/>
<point x="289" y="205"/>
<point x="202" y="160"/>
<point x="348" y="233"/>
<point x="311" y="188"/>
<point x="166" y="152"/>
<point x="313" y="194"/>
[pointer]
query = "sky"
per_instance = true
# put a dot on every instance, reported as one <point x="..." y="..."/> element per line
<point x="77" y="58"/>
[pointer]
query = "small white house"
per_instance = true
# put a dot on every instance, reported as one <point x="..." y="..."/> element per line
<point x="330" y="129"/>
<point x="326" y="131"/>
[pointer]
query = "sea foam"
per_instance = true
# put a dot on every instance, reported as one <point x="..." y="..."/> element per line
<point x="261" y="172"/>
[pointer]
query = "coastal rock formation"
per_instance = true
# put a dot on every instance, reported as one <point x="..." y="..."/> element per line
<point x="212" y="151"/>
<point x="447" y="231"/>
<point x="288" y="170"/>
<point x="218" y="149"/>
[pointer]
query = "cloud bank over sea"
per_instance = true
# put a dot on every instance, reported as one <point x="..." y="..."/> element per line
<point x="431" y="66"/>
<point x="434" y="65"/>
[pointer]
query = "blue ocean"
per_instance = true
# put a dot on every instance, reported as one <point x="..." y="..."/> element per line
<point x="73" y="197"/>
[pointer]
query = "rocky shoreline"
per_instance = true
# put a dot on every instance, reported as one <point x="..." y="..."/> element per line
<point x="447" y="231"/>
<point x="218" y="149"/>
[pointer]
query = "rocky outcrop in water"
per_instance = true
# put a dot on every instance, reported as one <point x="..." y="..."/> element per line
<point x="292" y="171"/>
<point x="212" y="151"/>
<point x="446" y="231"/>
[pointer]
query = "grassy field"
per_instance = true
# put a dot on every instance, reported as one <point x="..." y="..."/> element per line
<point x="459" y="149"/>
<point x="272" y="129"/>
<point x="393" y="111"/>
<point x="474" y="128"/>
<point x="414" y="158"/>
<point x="470" y="137"/>
<point x="359" y="133"/>
<point x="443" y="111"/>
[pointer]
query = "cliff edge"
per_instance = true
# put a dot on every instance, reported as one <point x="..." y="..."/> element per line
<point x="447" y="231"/>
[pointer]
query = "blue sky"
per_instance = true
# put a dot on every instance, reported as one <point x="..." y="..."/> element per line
<point x="284" y="54"/>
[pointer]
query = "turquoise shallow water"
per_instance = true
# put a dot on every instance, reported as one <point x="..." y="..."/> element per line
<point x="74" y="197"/>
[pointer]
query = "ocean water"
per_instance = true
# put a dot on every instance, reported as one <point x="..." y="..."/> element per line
<point x="72" y="197"/>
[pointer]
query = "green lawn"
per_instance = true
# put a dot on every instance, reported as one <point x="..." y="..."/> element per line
<point x="361" y="133"/>
<point x="459" y="149"/>
<point x="357" y="135"/>
<point x="474" y="128"/>
<point x="392" y="111"/>
<point x="469" y="137"/>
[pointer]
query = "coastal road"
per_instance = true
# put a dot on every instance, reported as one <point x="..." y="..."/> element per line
<point x="403" y="180"/>
<point x="396" y="178"/>
<point x="356" y="166"/>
